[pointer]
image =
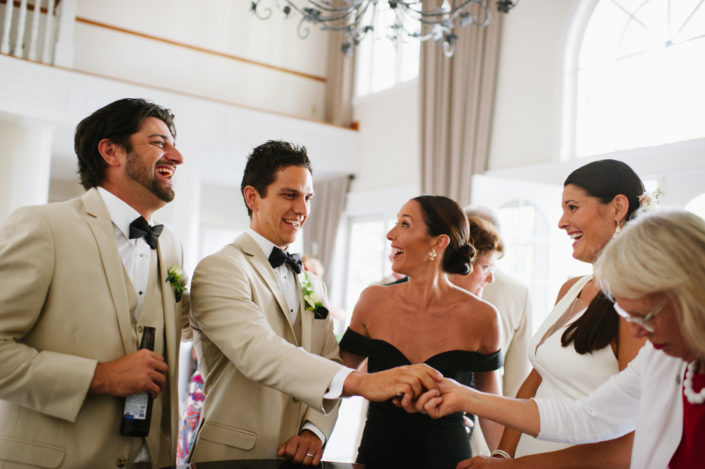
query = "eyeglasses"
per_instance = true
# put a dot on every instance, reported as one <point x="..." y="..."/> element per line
<point x="641" y="321"/>
<point x="488" y="269"/>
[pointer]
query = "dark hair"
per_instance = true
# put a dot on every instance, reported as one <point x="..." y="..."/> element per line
<point x="117" y="122"/>
<point x="604" y="179"/>
<point x="444" y="216"/>
<point x="264" y="162"/>
<point x="484" y="236"/>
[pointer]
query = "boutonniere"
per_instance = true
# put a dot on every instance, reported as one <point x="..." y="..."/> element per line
<point x="176" y="277"/>
<point x="312" y="300"/>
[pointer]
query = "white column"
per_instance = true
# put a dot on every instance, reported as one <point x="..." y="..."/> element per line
<point x="48" y="33"/>
<point x="34" y="32"/>
<point x="183" y="214"/>
<point x="26" y="162"/>
<point x="63" y="50"/>
<point x="19" y="37"/>
<point x="6" y="24"/>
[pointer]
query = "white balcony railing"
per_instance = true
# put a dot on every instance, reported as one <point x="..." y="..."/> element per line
<point x="39" y="30"/>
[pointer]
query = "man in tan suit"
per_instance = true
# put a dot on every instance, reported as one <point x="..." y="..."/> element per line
<point x="77" y="290"/>
<point x="265" y="344"/>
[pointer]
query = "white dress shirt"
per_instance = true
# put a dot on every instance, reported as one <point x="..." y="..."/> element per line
<point x="135" y="255"/>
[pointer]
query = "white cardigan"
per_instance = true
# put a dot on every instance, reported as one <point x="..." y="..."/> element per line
<point x="646" y="396"/>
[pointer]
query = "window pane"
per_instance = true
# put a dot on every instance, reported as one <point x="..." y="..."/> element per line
<point x="640" y="75"/>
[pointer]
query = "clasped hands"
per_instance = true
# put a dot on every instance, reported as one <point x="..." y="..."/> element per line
<point x="415" y="388"/>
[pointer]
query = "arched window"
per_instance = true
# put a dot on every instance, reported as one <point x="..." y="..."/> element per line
<point x="640" y="75"/>
<point x="525" y="233"/>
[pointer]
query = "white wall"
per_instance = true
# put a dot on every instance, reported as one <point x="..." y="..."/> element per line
<point x="223" y="26"/>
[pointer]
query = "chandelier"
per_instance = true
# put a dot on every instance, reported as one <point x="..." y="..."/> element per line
<point x="413" y="19"/>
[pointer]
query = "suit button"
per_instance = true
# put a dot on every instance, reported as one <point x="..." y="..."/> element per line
<point x="121" y="462"/>
<point x="296" y="401"/>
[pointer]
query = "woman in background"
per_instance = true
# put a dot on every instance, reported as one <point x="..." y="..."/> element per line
<point x="425" y="320"/>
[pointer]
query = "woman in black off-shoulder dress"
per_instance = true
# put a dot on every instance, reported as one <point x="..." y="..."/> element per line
<point x="425" y="320"/>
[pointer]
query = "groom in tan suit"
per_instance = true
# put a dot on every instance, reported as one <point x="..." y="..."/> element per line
<point x="78" y="287"/>
<point x="266" y="347"/>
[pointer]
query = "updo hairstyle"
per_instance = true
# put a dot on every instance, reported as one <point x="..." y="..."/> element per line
<point x="605" y="179"/>
<point x="444" y="216"/>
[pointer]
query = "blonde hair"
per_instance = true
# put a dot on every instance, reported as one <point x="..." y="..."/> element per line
<point x="662" y="252"/>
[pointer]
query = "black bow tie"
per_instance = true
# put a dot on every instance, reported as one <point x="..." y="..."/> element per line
<point x="139" y="228"/>
<point x="278" y="257"/>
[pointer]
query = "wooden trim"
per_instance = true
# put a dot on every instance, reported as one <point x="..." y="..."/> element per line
<point x="199" y="49"/>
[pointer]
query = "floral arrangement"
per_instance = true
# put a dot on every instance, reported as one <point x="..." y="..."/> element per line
<point x="312" y="300"/>
<point x="648" y="201"/>
<point x="177" y="279"/>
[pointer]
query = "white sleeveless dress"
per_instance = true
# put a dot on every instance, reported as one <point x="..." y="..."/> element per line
<point x="564" y="372"/>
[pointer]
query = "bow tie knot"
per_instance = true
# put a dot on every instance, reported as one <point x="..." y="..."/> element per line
<point x="139" y="228"/>
<point x="278" y="257"/>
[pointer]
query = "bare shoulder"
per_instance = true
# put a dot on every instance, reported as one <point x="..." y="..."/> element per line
<point x="565" y="287"/>
<point x="482" y="317"/>
<point x="372" y="297"/>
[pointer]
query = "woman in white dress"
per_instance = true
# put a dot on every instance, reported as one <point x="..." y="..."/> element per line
<point x="582" y="342"/>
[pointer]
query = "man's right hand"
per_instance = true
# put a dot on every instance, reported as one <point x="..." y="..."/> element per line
<point x="141" y="371"/>
<point x="407" y="381"/>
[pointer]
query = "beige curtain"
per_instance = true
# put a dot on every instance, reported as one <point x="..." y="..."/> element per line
<point x="340" y="76"/>
<point x="321" y="228"/>
<point x="457" y="100"/>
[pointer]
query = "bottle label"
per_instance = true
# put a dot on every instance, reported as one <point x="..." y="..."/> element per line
<point x="136" y="406"/>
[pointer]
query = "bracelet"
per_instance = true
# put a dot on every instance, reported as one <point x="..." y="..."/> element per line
<point x="500" y="453"/>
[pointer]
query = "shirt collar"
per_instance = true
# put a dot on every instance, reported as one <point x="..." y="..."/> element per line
<point x="264" y="244"/>
<point x="120" y="212"/>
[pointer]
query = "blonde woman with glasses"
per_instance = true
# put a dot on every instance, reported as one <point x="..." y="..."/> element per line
<point x="655" y="271"/>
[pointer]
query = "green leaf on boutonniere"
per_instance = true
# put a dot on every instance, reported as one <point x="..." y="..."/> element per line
<point x="176" y="277"/>
<point x="312" y="300"/>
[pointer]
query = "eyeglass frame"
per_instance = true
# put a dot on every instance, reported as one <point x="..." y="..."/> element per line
<point x="641" y="321"/>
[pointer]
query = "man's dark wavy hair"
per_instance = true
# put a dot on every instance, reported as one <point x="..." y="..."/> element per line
<point x="268" y="158"/>
<point x="117" y="122"/>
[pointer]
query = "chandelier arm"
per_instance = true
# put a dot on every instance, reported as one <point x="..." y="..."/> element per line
<point x="352" y="18"/>
<point x="254" y="8"/>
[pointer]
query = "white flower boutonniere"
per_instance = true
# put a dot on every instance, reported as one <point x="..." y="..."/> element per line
<point x="312" y="300"/>
<point x="177" y="279"/>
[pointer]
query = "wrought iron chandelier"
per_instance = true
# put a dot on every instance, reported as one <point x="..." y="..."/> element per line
<point x="411" y="18"/>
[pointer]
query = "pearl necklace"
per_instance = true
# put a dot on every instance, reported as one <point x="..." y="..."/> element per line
<point x="692" y="396"/>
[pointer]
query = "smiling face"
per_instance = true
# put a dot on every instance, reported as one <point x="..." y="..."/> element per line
<point x="666" y="335"/>
<point x="152" y="160"/>
<point x="589" y="222"/>
<point x="280" y="214"/>
<point x="411" y="243"/>
<point x="482" y="273"/>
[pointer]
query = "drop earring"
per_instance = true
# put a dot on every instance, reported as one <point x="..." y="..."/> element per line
<point x="432" y="255"/>
<point x="617" y="231"/>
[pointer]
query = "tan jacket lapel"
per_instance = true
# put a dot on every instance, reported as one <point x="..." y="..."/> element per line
<point x="100" y="224"/>
<point x="306" y="319"/>
<point x="262" y="266"/>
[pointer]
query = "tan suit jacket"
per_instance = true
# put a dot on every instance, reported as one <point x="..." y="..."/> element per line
<point x="64" y="307"/>
<point x="261" y="382"/>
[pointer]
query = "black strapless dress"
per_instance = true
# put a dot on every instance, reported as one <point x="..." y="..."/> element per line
<point x="395" y="439"/>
